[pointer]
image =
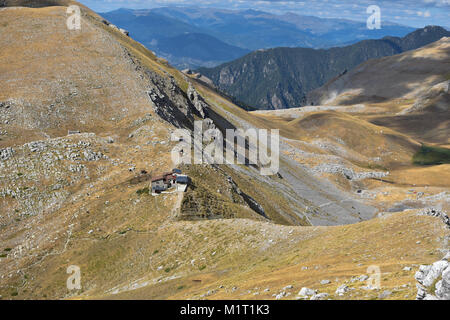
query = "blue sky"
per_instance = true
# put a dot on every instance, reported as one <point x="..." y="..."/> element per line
<point x="416" y="13"/>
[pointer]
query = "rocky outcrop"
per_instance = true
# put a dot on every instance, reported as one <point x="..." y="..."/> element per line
<point x="342" y="290"/>
<point x="432" y="212"/>
<point x="187" y="71"/>
<point x="5" y="154"/>
<point x="169" y="101"/>
<point x="6" y="112"/>
<point x="306" y="292"/>
<point x="348" y="173"/>
<point x="252" y="203"/>
<point x="320" y="296"/>
<point x="436" y="92"/>
<point x="5" y="105"/>
<point x="200" y="105"/>
<point x="112" y="26"/>
<point x="37" y="146"/>
<point x="61" y="163"/>
<point x="125" y="32"/>
<point x="434" y="280"/>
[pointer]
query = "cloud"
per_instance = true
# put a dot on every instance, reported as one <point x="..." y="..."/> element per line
<point x="425" y="14"/>
<point x="409" y="12"/>
<point x="437" y="3"/>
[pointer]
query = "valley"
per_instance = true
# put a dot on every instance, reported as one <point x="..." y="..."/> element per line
<point x="191" y="36"/>
<point x="279" y="78"/>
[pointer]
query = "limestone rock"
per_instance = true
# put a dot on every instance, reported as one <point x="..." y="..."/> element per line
<point x="200" y="105"/>
<point x="434" y="277"/>
<point x="342" y="290"/>
<point x="307" y="292"/>
<point x="319" y="296"/>
<point x="125" y="32"/>
<point x="5" y="154"/>
<point x="384" y="294"/>
<point x="433" y="212"/>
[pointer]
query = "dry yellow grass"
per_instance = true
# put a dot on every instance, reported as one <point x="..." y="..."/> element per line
<point x="71" y="92"/>
<point x="337" y="254"/>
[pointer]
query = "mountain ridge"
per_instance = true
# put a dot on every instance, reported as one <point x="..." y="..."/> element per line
<point x="281" y="77"/>
<point x="247" y="30"/>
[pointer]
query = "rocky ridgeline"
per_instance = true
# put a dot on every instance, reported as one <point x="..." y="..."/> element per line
<point x="174" y="106"/>
<point x="434" y="280"/>
<point x="169" y="101"/>
<point x="436" y="213"/>
<point x="114" y="27"/>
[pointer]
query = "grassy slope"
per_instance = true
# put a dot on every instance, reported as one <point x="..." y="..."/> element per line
<point x="410" y="72"/>
<point x="337" y="254"/>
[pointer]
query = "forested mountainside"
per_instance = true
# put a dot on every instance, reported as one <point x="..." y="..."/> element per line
<point x="282" y="77"/>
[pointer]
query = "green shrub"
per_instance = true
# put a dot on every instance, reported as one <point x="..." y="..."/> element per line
<point x="143" y="191"/>
<point x="428" y="155"/>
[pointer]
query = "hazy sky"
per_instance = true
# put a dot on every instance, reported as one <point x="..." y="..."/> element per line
<point x="416" y="13"/>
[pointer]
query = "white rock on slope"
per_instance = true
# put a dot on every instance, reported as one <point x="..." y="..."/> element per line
<point x="342" y="290"/>
<point x="305" y="292"/>
<point x="433" y="212"/>
<point x="434" y="277"/>
<point x="319" y="296"/>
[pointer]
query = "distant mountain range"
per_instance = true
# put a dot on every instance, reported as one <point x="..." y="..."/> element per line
<point x="281" y="77"/>
<point x="191" y="49"/>
<point x="205" y="37"/>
